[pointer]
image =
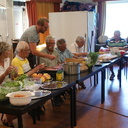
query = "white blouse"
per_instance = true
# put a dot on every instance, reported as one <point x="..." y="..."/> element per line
<point x="3" y="69"/>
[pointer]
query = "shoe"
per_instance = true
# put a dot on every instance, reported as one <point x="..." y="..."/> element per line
<point x="82" y="85"/>
<point x="56" y="101"/>
<point x="61" y="100"/>
<point x="6" y="123"/>
<point x="112" y="77"/>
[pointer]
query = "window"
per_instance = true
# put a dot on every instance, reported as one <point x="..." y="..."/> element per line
<point x="20" y="21"/>
<point x="116" y="18"/>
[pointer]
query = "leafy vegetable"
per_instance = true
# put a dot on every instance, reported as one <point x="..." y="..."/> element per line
<point x="21" y="77"/>
<point x="92" y="58"/>
<point x="11" y="84"/>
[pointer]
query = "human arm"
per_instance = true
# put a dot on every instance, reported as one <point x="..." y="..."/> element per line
<point x="36" y="69"/>
<point x="38" y="53"/>
<point x="80" y="54"/>
<point x="10" y="70"/>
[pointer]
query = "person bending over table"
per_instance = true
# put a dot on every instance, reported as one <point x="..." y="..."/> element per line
<point x="5" y="71"/>
<point x="120" y="43"/>
<point x="77" y="48"/>
<point x="31" y="36"/>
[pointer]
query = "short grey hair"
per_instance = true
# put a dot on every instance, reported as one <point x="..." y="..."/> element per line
<point x="42" y="20"/>
<point x="80" y="38"/>
<point x="117" y="31"/>
<point x="49" y="38"/>
<point x="4" y="47"/>
<point x="21" y="46"/>
<point x="61" y="41"/>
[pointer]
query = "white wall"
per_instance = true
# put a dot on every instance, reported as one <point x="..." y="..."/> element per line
<point x="6" y="21"/>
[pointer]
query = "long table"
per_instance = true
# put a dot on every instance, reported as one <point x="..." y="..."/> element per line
<point x="72" y="80"/>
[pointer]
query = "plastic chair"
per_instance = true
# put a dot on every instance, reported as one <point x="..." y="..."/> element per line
<point x="102" y="39"/>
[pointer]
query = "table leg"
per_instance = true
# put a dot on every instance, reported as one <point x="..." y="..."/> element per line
<point x="74" y="101"/>
<point x="20" y="123"/>
<point x="73" y="106"/>
<point x="102" y="86"/>
<point x="120" y="75"/>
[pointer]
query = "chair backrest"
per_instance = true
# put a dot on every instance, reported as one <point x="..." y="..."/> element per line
<point x="102" y="39"/>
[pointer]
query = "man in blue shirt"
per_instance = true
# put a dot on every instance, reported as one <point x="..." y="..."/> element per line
<point x="63" y="51"/>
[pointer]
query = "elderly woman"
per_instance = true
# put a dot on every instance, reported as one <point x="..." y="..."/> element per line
<point x="5" y="68"/>
<point x="5" y="71"/>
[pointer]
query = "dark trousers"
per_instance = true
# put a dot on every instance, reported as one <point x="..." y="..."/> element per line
<point x="32" y="60"/>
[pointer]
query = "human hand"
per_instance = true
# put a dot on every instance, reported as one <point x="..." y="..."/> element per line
<point x="84" y="54"/>
<point x="51" y="57"/>
<point x="39" y="67"/>
<point x="11" y="70"/>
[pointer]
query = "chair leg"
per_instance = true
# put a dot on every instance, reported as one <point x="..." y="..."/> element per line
<point x="90" y="81"/>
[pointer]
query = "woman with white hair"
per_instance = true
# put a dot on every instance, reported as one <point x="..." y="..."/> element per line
<point x="21" y="61"/>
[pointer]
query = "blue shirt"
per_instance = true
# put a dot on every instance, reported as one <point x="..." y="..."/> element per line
<point x="65" y="54"/>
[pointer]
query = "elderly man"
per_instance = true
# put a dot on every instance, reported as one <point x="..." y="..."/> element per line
<point x="63" y="51"/>
<point x="21" y="62"/>
<point x="31" y="36"/>
<point x="119" y="42"/>
<point x="77" y="48"/>
<point x="50" y="43"/>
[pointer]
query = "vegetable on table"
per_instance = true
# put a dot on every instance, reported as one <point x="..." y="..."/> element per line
<point x="92" y="58"/>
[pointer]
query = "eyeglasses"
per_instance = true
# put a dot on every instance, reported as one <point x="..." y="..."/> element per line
<point x="51" y="43"/>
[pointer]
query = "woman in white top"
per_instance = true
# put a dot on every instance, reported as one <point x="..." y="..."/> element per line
<point x="5" y="68"/>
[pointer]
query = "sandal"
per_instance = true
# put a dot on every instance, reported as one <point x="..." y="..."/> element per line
<point x="112" y="77"/>
<point x="5" y="123"/>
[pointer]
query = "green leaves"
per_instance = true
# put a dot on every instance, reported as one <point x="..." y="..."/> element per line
<point x="21" y="77"/>
<point x="92" y="58"/>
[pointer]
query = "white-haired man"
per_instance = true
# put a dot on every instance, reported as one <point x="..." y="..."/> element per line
<point x="77" y="48"/>
<point x="50" y="44"/>
<point x="21" y="61"/>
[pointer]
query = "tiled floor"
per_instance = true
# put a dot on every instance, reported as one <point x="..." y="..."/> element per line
<point x="90" y="112"/>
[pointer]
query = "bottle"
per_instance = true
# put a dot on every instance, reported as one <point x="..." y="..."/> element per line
<point x="59" y="75"/>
